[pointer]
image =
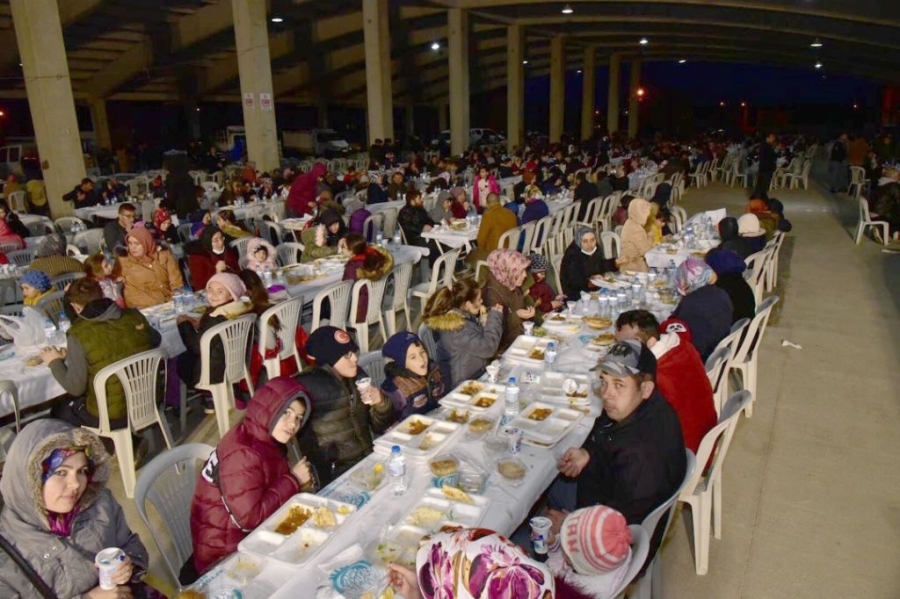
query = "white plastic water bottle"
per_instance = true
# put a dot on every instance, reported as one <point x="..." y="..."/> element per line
<point x="50" y="332"/>
<point x="64" y="323"/>
<point x="397" y="471"/>
<point x="550" y="356"/>
<point x="671" y="271"/>
<point x="178" y="300"/>
<point x="512" y="399"/>
<point x="267" y="277"/>
<point x="379" y="240"/>
<point x="397" y="239"/>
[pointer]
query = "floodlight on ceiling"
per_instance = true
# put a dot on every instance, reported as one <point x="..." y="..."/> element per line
<point x="579" y="71"/>
<point x="818" y="65"/>
<point x="277" y="20"/>
<point x="435" y="46"/>
<point x="644" y="41"/>
<point x="682" y="61"/>
<point x="567" y="9"/>
<point x="525" y="61"/>
<point x="816" y="43"/>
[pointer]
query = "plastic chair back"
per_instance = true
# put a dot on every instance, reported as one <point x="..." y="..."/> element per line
<point x="640" y="547"/>
<point x="9" y="389"/>
<point x="556" y="263"/>
<point x="240" y="245"/>
<point x="612" y="244"/>
<point x="716" y="370"/>
<point x="61" y="281"/>
<point x="338" y="296"/>
<point x="168" y="483"/>
<point x="138" y="375"/>
<point x="21" y="258"/>
<point x="88" y="241"/>
<point x="754" y="332"/>
<point x="527" y="240"/>
<point x="17" y="203"/>
<point x="372" y="227"/>
<point x="270" y="231"/>
<point x="389" y="221"/>
<point x="510" y="239"/>
<point x="52" y="305"/>
<point x="235" y="337"/>
<point x="288" y="314"/>
<point x="67" y="223"/>
<point x="373" y="363"/>
<point x="427" y="337"/>
<point x="289" y="253"/>
<point x="541" y="233"/>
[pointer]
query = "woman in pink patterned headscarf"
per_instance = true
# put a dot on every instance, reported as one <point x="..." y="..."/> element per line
<point x="505" y="284"/>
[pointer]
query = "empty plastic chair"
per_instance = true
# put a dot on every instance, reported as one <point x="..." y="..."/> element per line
<point x="865" y="221"/>
<point x="140" y="376"/>
<point x="288" y="315"/>
<point x="289" y="253"/>
<point x="401" y="277"/>
<point x="338" y="296"/>
<point x="717" y="371"/>
<point x="441" y="275"/>
<point x="168" y="482"/>
<point x="375" y="294"/>
<point x="703" y="492"/>
<point x="235" y="338"/>
<point x="746" y="356"/>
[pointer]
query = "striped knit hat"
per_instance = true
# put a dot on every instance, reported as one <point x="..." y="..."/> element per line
<point x="596" y="540"/>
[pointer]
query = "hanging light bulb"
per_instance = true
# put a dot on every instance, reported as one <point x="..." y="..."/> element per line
<point x="816" y="43"/>
<point x="567" y="10"/>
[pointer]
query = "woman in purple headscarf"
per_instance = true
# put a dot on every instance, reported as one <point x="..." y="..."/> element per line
<point x="505" y="285"/>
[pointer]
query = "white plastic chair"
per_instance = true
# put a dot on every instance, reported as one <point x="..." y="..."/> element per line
<point x="21" y="258"/>
<point x="67" y="223"/>
<point x="402" y="277"/>
<point x="9" y="389"/>
<point x="52" y="305"/>
<point x="717" y="371"/>
<point x="427" y="337"/>
<point x="441" y="275"/>
<point x="17" y="202"/>
<point x="88" y="241"/>
<point x="338" y="296"/>
<point x="803" y="177"/>
<point x="61" y="281"/>
<point x="590" y="214"/>
<point x="168" y="482"/>
<point x="746" y="356"/>
<point x="737" y="175"/>
<point x="703" y="492"/>
<point x="729" y="342"/>
<point x="607" y="209"/>
<point x="289" y="253"/>
<point x="389" y="221"/>
<point x="270" y="231"/>
<point x="771" y="272"/>
<point x="240" y="245"/>
<point x="139" y="376"/>
<point x="857" y="181"/>
<point x="556" y="264"/>
<point x="541" y="234"/>
<point x="640" y="547"/>
<point x="510" y="239"/>
<point x="612" y="244"/>
<point x="235" y="337"/>
<point x="373" y="364"/>
<point x="651" y="583"/>
<point x="527" y="239"/>
<point x="375" y="291"/>
<point x="865" y="221"/>
<point x="755" y="275"/>
<point x="372" y="226"/>
<point x="288" y="314"/>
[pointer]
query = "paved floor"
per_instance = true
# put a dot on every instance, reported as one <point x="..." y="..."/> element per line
<point x="811" y="485"/>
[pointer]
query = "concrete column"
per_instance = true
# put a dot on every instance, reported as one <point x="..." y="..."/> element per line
<point x="612" y="103"/>
<point x="379" y="91"/>
<point x="515" y="86"/>
<point x="100" y="123"/>
<point x="458" y="45"/>
<point x="409" y="121"/>
<point x="43" y="54"/>
<point x="633" y="105"/>
<point x="254" y="67"/>
<point x="443" y="109"/>
<point x="589" y="81"/>
<point x="557" y="88"/>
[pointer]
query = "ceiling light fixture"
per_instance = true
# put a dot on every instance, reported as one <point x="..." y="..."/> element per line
<point x="567" y="10"/>
<point x="682" y="61"/>
<point x="816" y="43"/>
<point x="277" y="20"/>
<point x="525" y="61"/>
<point x="743" y="105"/>
<point x="435" y="46"/>
<point x="722" y="104"/>
<point x="818" y="65"/>
<point x="644" y="41"/>
<point x="579" y="71"/>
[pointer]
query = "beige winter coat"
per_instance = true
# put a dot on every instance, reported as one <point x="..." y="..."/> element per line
<point x="635" y="240"/>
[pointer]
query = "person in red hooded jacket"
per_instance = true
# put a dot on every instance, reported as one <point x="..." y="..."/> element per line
<point x="680" y="373"/>
<point x="302" y="196"/>
<point x="248" y="477"/>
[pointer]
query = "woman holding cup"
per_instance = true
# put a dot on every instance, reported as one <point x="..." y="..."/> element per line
<point x="349" y="410"/>
<point x="59" y="515"/>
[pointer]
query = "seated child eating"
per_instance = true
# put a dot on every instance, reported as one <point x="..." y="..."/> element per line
<point x="545" y="298"/>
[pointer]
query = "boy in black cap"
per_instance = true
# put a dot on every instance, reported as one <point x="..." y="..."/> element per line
<point x="634" y="458"/>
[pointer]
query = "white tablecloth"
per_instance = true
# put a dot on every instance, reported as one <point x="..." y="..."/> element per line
<point x="35" y="384"/>
<point x="660" y="256"/>
<point x="637" y="178"/>
<point x="450" y="238"/>
<point x="108" y="212"/>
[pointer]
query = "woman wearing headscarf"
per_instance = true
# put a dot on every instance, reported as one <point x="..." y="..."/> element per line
<point x="321" y="238"/>
<point x="731" y="240"/>
<point x="729" y="269"/>
<point x="635" y="240"/>
<point x="50" y="258"/>
<point x="412" y="380"/>
<point x="750" y="229"/>
<point x="345" y="419"/>
<point x="504" y="284"/>
<point x="58" y="513"/>
<point x="248" y="476"/>
<point x="705" y="309"/>
<point x="162" y="223"/>
<point x="210" y="255"/>
<point x="151" y="274"/>
<point x="582" y="260"/>
<point x="227" y="223"/>
<point x="472" y="563"/>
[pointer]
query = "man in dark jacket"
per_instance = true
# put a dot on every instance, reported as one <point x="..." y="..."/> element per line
<point x="634" y="458"/>
<point x="114" y="231"/>
<point x="102" y="334"/>
<point x="767" y="163"/>
<point x="84" y="195"/>
<point x="414" y="219"/>
<point x="344" y="418"/>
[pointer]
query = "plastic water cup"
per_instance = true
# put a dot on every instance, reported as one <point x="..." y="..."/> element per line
<point x="528" y="326"/>
<point x="108" y="561"/>
<point x="493" y="371"/>
<point x="540" y="533"/>
<point x="571" y="306"/>
<point x="363" y="385"/>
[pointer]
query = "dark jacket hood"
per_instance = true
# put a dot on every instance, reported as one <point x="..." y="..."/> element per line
<point x="728" y="228"/>
<point x="269" y="403"/>
<point x="101" y="310"/>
